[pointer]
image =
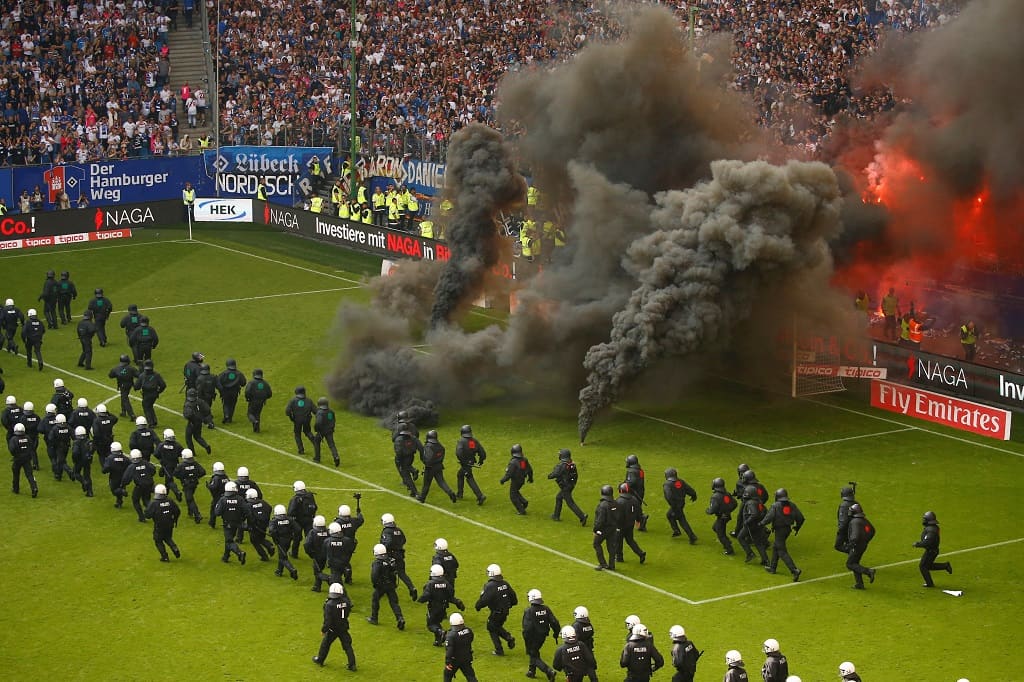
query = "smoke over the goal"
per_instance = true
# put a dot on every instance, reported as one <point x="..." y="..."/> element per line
<point x="669" y="249"/>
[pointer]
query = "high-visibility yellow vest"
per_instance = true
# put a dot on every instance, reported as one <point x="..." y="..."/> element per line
<point x="905" y="330"/>
<point x="379" y="200"/>
<point x="316" y="204"/>
<point x="559" y="237"/>
<point x="361" y="194"/>
<point x="549" y="227"/>
<point x="967" y="335"/>
<point x="261" y="192"/>
<point x="414" y="206"/>
<point x="354" y="210"/>
<point x="427" y="229"/>
<point x="343" y="210"/>
<point x="446" y="206"/>
<point x="205" y="142"/>
<point x="337" y="194"/>
<point x="393" y="212"/>
<point x="188" y="197"/>
<point x="403" y="200"/>
<point x="3" y="209"/>
<point x="526" y="243"/>
<point x="531" y="195"/>
<point x="315" y="169"/>
<point x="916" y="331"/>
<point x="367" y="216"/>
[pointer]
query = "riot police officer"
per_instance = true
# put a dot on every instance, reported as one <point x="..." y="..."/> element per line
<point x="206" y="387"/>
<point x="81" y="457"/>
<point x="20" y="447"/>
<point x="518" y="471"/>
<point x="735" y="672"/>
<point x="114" y="465"/>
<point x="392" y="537"/>
<point x="847" y="500"/>
<point x="929" y="542"/>
<point x="151" y="385"/>
<point x="627" y="518"/>
<point x="125" y="374"/>
<point x="234" y="513"/>
<point x="470" y="453"/>
<point x="323" y="424"/>
<point x="636" y="479"/>
<point x="143" y="340"/>
<point x="438" y="594"/>
<point x="103" y="430"/>
<point x="338" y="550"/>
<point x="101" y="308"/>
<point x="257" y="393"/>
<point x="783" y="517"/>
<point x="284" y="531"/>
<point x="498" y="597"/>
<point x="432" y="456"/>
<point x="300" y="411"/>
<point x="458" y="649"/>
<point x="751" y="533"/>
<point x="164" y="512"/>
<point x="141" y="474"/>
<point x="605" y="529"/>
<point x="676" y="491"/>
<point x="566" y="475"/>
<point x="168" y="453"/>
<point x="216" y="485"/>
<point x="684" y="654"/>
<point x="230" y="383"/>
<point x="574" y="657"/>
<point x="406" y="445"/>
<point x="640" y="657"/>
<point x="189" y="472"/>
<point x="337" y="610"/>
<point x="314" y="548"/>
<point x="49" y="299"/>
<point x="129" y="323"/>
<point x="32" y="332"/>
<point x="776" y="667"/>
<point x="190" y="372"/>
<point x="861" y="533"/>
<point x="196" y="413"/>
<point x="722" y="506"/>
<point x="66" y="292"/>
<point x="384" y="578"/>
<point x="11" y="318"/>
<point x="145" y="441"/>
<point x="302" y="508"/>
<point x="86" y="329"/>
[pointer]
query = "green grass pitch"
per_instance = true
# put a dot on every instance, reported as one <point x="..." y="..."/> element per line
<point x="85" y="597"/>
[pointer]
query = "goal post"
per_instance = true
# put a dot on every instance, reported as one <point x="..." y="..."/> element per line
<point x="816" y="363"/>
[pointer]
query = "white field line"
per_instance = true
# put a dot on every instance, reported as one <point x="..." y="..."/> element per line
<point x="833" y="576"/>
<point x="921" y="429"/>
<point x="319" y="488"/>
<point x="841" y="440"/>
<point x="690" y="428"/>
<point x="406" y="498"/>
<point x="243" y="299"/>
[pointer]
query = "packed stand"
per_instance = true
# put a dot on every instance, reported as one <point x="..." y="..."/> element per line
<point x="83" y="82"/>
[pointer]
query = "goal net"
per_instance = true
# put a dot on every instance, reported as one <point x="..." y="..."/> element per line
<point x="817" y="364"/>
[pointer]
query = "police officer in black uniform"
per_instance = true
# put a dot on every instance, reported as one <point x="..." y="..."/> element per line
<point x="538" y="620"/>
<point x="302" y="508"/>
<point x="636" y="479"/>
<point x="32" y="332"/>
<point x="392" y="537"/>
<point x="384" y="578"/>
<point x="125" y="373"/>
<point x="350" y="525"/>
<point x="929" y="542"/>
<point x="605" y="529"/>
<point x="783" y="517"/>
<point x="66" y="292"/>
<point x="323" y="424"/>
<point x="196" y="412"/>
<point x="735" y="671"/>
<point x="129" y="323"/>
<point x="300" y="411"/>
<point x="470" y="452"/>
<point x="458" y="649"/>
<point x="10" y="416"/>
<point x="566" y="475"/>
<point x="337" y="610"/>
<point x="206" y="386"/>
<point x="737" y="493"/>
<point x="114" y="465"/>
<point x="751" y="533"/>
<point x="146" y="441"/>
<point x="406" y="446"/>
<point x="684" y="654"/>
<point x="151" y="385"/>
<point x="101" y="308"/>
<point x="722" y="506"/>
<point x="82" y="416"/>
<point x="43" y="430"/>
<point x="847" y="500"/>
<point x="58" y="441"/>
<point x="861" y="532"/>
<point x="168" y="454"/>
<point x="86" y="329"/>
<point x="438" y="594"/>
<point x="190" y="372"/>
<point x="574" y="657"/>
<point x="230" y="383"/>
<point x="81" y="457"/>
<point x="584" y="630"/>
<point x="446" y="560"/>
<point x="31" y="420"/>
<point x="640" y="657"/>
<point x="284" y="531"/>
<point x="627" y="517"/>
<point x="234" y="513"/>
<point x="165" y="512"/>
<point x="776" y="667"/>
<point x="103" y="430"/>
<point x="143" y="340"/>
<point x="314" y="547"/>
<point x="49" y="299"/>
<point x="676" y="491"/>
<point x="498" y="597"/>
<point x="432" y="457"/>
<point x="338" y="550"/>
<point x="11" y="318"/>
<point x="142" y="475"/>
<point x="518" y="471"/>
<point x="20" y="447"/>
<point x="190" y="472"/>
<point x="257" y="393"/>
<point x="216" y="485"/>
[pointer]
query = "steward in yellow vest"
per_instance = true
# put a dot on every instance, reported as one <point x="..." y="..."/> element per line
<point x="316" y="204"/>
<point x="427" y="229"/>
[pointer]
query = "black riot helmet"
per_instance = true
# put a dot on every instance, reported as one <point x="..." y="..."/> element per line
<point x="230" y="363"/>
<point x="929" y="518"/>
<point x="564" y="455"/>
<point x="781" y="494"/>
<point x="125" y="358"/>
<point x="98" y="291"/>
<point x="191" y="394"/>
<point x="197" y="357"/>
<point x="65" y="274"/>
<point x="133" y="308"/>
<point x="749" y="476"/>
<point x="257" y="374"/>
<point x="607" y="491"/>
<point x="321" y="402"/>
<point x="671" y="473"/>
<point x="144" y="321"/>
<point x="750" y="492"/>
<point x="742" y="468"/>
<point x="431" y="436"/>
<point x="50" y="274"/>
<point x="718" y="485"/>
<point x="300" y="390"/>
<point x="623" y="488"/>
<point x="855" y="509"/>
<point x="846" y="493"/>
<point x="632" y="461"/>
<point x="466" y="430"/>
<point x="517" y="450"/>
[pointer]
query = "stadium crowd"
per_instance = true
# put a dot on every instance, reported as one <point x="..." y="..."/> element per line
<point x="86" y="81"/>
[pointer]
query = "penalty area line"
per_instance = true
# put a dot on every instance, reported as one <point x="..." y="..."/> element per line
<point x="833" y="576"/>
<point x="246" y="298"/>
